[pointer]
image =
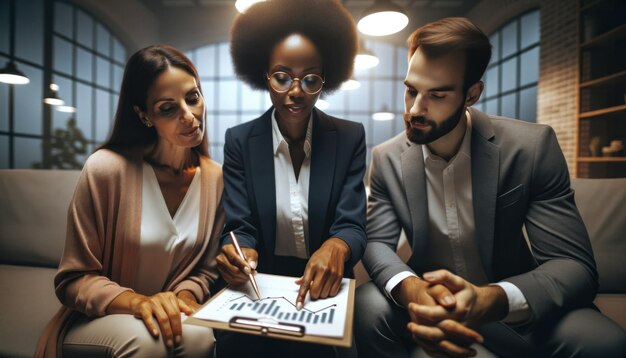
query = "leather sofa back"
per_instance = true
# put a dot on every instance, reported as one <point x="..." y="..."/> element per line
<point x="33" y="215"/>
<point x="602" y="205"/>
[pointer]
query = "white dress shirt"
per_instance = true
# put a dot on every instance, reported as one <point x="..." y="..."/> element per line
<point x="292" y="195"/>
<point x="164" y="240"/>
<point x="453" y="243"/>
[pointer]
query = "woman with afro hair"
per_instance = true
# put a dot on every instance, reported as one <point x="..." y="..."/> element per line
<point x="293" y="178"/>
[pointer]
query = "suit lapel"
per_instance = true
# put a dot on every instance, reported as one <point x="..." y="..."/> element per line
<point x="324" y="151"/>
<point x="485" y="177"/>
<point x="414" y="182"/>
<point x="262" y="165"/>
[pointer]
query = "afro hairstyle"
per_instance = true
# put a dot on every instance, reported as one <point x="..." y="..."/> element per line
<point x="326" y="23"/>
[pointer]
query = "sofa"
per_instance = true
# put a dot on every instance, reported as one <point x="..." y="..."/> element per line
<point x="33" y="207"/>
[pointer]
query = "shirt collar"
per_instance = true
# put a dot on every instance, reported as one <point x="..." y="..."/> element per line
<point x="465" y="148"/>
<point x="281" y="144"/>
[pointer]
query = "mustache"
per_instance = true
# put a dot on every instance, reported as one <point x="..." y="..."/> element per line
<point x="418" y="119"/>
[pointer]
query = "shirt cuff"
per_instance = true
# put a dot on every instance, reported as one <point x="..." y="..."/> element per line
<point x="394" y="281"/>
<point x="518" y="306"/>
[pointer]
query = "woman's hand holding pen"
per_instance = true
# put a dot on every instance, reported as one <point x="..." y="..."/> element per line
<point x="233" y="267"/>
<point x="324" y="271"/>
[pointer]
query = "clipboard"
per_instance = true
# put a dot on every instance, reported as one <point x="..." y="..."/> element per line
<point x="280" y="329"/>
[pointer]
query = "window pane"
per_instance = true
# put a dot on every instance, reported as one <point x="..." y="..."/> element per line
<point x="251" y="100"/>
<point x="383" y="130"/>
<point x="118" y="74"/>
<point x="4" y="104"/>
<point x="4" y="152"/>
<point x="119" y="53"/>
<point x="491" y="107"/>
<point x="402" y="61"/>
<point x="103" y="115"/>
<point x="224" y="122"/>
<point x="358" y="99"/>
<point x="27" y="152"/>
<point x="85" y="64"/>
<point x="63" y="59"/>
<point x="217" y="153"/>
<point x="84" y="113"/>
<point x="208" y="91"/>
<point x="225" y="62"/>
<point x="509" y="74"/>
<point x="529" y="67"/>
<point x="59" y="119"/>
<point x="103" y="77"/>
<point x="528" y="104"/>
<point x="508" y="105"/>
<point x="104" y="40"/>
<point x="63" y="19"/>
<point x="383" y="95"/>
<point x="84" y="29"/>
<point x="336" y="102"/>
<point x="530" y="29"/>
<point x="29" y="30"/>
<point x="227" y="96"/>
<point x="492" y="82"/>
<point x="385" y="53"/>
<point x="4" y="27"/>
<point x="205" y="60"/>
<point x="495" y="50"/>
<point x="509" y="39"/>
<point x="28" y="102"/>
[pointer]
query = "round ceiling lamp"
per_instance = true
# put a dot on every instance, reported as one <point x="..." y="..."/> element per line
<point x="383" y="18"/>
<point x="11" y="75"/>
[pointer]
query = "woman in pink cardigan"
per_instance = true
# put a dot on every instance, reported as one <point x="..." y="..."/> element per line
<point x="144" y="224"/>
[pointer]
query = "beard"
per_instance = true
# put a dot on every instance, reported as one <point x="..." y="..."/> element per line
<point x="437" y="130"/>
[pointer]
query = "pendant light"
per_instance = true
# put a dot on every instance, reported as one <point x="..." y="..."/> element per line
<point x="350" y="84"/>
<point x="243" y="5"/>
<point x="52" y="97"/>
<point x="365" y="58"/>
<point x="383" y="115"/>
<point x="382" y="18"/>
<point x="11" y="75"/>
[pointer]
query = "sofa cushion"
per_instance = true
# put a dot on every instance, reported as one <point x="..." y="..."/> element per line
<point x="27" y="304"/>
<point x="602" y="205"/>
<point x="34" y="206"/>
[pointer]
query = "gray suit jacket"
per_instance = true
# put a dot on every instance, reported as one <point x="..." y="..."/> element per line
<point x="519" y="177"/>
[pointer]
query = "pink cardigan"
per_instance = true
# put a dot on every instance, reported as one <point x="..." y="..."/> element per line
<point x="103" y="230"/>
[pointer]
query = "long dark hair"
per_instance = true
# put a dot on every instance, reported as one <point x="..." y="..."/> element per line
<point x="143" y="67"/>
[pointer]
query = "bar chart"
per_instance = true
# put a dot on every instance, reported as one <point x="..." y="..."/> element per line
<point x="323" y="317"/>
<point x="281" y="309"/>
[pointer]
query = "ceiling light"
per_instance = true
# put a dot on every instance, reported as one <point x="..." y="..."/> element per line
<point x="350" y="84"/>
<point x="11" y="75"/>
<point x="243" y="5"/>
<point x="365" y="58"/>
<point x="66" y="109"/>
<point x="382" y="18"/>
<point x="322" y="104"/>
<point x="383" y="115"/>
<point x="52" y="98"/>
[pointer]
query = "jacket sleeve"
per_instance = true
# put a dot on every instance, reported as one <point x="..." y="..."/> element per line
<point x="236" y="202"/>
<point x="566" y="275"/>
<point x="349" y="220"/>
<point x="383" y="227"/>
<point x="80" y="283"/>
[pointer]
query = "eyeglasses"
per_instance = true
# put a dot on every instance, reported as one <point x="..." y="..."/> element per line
<point x="281" y="82"/>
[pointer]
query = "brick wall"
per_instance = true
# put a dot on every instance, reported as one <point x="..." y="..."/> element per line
<point x="558" y="67"/>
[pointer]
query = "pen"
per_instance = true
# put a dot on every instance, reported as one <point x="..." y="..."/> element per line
<point x="241" y="254"/>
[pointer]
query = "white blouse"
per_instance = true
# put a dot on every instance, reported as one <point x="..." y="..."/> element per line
<point x="164" y="240"/>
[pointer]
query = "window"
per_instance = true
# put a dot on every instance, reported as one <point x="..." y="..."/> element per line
<point x="86" y="62"/>
<point x="512" y="75"/>
<point x="230" y="102"/>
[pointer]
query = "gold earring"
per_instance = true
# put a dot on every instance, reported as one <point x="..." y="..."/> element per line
<point x="148" y="124"/>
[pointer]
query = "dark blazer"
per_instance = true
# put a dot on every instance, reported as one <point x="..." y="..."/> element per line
<point x="336" y="192"/>
<point x="519" y="177"/>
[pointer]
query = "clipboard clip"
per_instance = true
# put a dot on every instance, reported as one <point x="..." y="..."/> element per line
<point x="267" y="326"/>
